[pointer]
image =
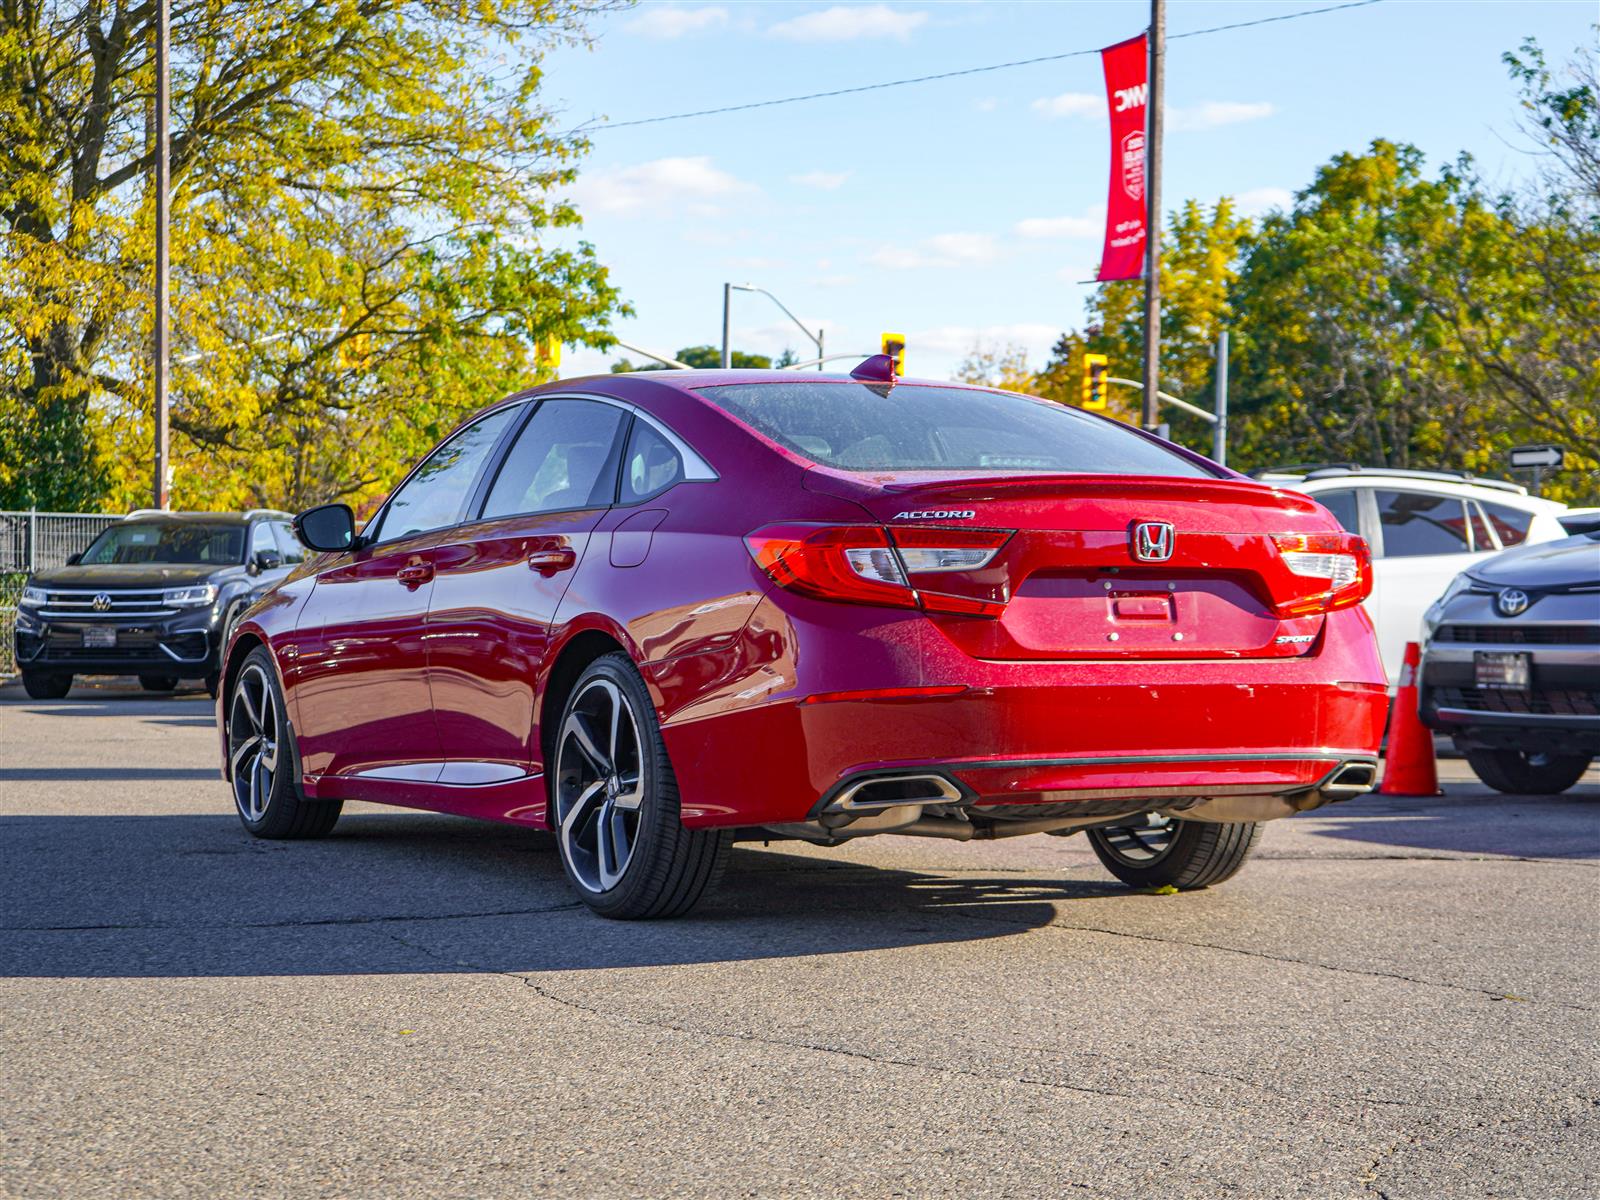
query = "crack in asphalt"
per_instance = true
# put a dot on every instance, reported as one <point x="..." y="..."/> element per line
<point x="792" y="1044"/>
<point x="1278" y="958"/>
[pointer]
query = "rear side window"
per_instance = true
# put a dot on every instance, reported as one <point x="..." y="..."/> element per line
<point x="650" y="466"/>
<point x="564" y="458"/>
<point x="1420" y="523"/>
<point x="1343" y="505"/>
<point x="1510" y="523"/>
<point x="913" y="427"/>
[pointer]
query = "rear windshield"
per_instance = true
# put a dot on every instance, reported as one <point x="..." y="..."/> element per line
<point x="915" y="428"/>
<point x="167" y="542"/>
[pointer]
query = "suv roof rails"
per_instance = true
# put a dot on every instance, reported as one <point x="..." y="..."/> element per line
<point x="145" y="512"/>
<point x="1336" y="470"/>
<point x="267" y="512"/>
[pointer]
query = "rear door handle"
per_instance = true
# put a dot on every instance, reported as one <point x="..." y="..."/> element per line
<point x="548" y="562"/>
<point x="414" y="575"/>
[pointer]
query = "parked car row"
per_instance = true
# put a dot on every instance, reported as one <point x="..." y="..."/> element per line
<point x="659" y="613"/>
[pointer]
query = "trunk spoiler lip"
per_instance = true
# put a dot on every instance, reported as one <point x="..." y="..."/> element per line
<point x="1241" y="489"/>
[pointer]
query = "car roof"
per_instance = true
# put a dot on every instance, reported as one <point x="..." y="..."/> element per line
<point x="1413" y="483"/>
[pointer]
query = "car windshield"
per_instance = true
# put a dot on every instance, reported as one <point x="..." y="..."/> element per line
<point x="167" y="542"/>
<point x="915" y="427"/>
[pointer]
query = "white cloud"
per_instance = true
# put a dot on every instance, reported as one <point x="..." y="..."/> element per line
<point x="987" y="104"/>
<point x="844" y="23"/>
<point x="658" y="185"/>
<point x="957" y="340"/>
<point x="1090" y="225"/>
<point x="1256" y="201"/>
<point x="941" y="250"/>
<point x="1071" y="104"/>
<point x="1214" y="113"/>
<point x="827" y="181"/>
<point x="668" y="21"/>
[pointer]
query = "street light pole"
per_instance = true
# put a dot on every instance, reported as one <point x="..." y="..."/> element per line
<point x="728" y="288"/>
<point x="1152" y="220"/>
<point x="727" y="306"/>
<point x="1219" y="430"/>
<point x="163" y="181"/>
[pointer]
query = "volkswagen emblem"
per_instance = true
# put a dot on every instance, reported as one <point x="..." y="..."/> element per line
<point x="102" y="602"/>
<point x="1151" y="541"/>
<point x="1512" y="602"/>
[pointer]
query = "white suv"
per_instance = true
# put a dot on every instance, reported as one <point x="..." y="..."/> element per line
<point x="1424" y="527"/>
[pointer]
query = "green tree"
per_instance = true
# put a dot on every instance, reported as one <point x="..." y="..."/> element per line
<point x="364" y="240"/>
<point x="701" y="357"/>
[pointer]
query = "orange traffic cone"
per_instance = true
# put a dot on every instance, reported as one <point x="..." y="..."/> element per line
<point x="1409" y="769"/>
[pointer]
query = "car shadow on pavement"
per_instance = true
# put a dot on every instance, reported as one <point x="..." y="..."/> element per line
<point x="1473" y="822"/>
<point x="193" y="896"/>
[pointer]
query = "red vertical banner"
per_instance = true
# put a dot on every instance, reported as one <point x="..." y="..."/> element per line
<point x="1127" y="67"/>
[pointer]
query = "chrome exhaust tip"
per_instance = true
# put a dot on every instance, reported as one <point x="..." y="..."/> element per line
<point x="890" y="791"/>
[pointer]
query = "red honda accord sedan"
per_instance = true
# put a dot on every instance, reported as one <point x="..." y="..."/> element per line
<point x="658" y="613"/>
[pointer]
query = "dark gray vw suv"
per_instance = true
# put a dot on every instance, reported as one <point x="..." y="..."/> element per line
<point x="154" y="596"/>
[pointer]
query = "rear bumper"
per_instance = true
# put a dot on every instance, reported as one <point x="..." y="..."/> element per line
<point x="1015" y="733"/>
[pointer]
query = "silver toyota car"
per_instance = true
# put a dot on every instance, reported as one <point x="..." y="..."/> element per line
<point x="1511" y="669"/>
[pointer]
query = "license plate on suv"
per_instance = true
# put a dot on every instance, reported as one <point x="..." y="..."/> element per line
<point x="1496" y="669"/>
<point x="99" y="638"/>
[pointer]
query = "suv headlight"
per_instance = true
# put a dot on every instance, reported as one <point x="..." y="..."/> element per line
<point x="191" y="597"/>
<point x="1435" y="613"/>
<point x="31" y="597"/>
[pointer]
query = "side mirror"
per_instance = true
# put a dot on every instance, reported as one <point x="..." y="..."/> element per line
<point x="329" y="527"/>
<point x="74" y="559"/>
<point x="268" y="560"/>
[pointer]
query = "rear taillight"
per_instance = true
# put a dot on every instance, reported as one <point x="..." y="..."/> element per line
<point x="1329" y="571"/>
<point x="861" y="564"/>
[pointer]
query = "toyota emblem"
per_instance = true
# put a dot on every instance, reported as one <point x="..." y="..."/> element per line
<point x="1512" y="602"/>
<point x="1152" y="541"/>
<point x="102" y="602"/>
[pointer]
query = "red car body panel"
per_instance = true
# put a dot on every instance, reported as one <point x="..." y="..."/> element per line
<point x="429" y="691"/>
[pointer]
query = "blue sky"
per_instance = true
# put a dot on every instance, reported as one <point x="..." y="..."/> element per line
<point x="966" y="211"/>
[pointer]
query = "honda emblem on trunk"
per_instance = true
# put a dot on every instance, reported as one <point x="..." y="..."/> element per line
<point x="1152" y="541"/>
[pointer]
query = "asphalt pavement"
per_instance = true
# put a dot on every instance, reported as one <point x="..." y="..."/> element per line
<point x="1397" y="997"/>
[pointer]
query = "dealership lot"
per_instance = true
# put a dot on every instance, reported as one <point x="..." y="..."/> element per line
<point x="1396" y="997"/>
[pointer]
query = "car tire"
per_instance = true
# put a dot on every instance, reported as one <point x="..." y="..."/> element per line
<point x="614" y="803"/>
<point x="46" y="685"/>
<point x="1181" y="854"/>
<point x="1519" y="773"/>
<point x="158" y="683"/>
<point x="263" y="761"/>
<point x="214" y="684"/>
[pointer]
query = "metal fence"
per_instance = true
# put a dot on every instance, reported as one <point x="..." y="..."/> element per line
<point x="37" y="541"/>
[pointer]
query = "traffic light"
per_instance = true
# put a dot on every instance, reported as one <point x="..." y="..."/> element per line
<point x="547" y="352"/>
<point x="1094" y="382"/>
<point x="894" y="345"/>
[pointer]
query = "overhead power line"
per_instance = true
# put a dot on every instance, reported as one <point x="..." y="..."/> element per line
<point x="1005" y="66"/>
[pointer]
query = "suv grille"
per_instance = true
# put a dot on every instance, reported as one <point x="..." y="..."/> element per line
<point x="119" y="604"/>
<point x="1521" y="635"/>
<point x="1544" y="702"/>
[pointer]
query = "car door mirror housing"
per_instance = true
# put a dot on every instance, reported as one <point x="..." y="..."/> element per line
<point x="267" y="560"/>
<point x="328" y="527"/>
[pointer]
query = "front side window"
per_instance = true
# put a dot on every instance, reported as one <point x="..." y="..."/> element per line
<point x="167" y="542"/>
<point x="1416" y="524"/>
<point x="261" y="539"/>
<point x="915" y="427"/>
<point x="650" y="466"/>
<point x="564" y="458"/>
<point x="434" y="497"/>
<point x="1510" y="523"/>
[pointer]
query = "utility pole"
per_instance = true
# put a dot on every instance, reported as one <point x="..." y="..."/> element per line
<point x="1152" y="220"/>
<point x="727" y="306"/>
<point x="160" y="349"/>
<point x="1219" y="431"/>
